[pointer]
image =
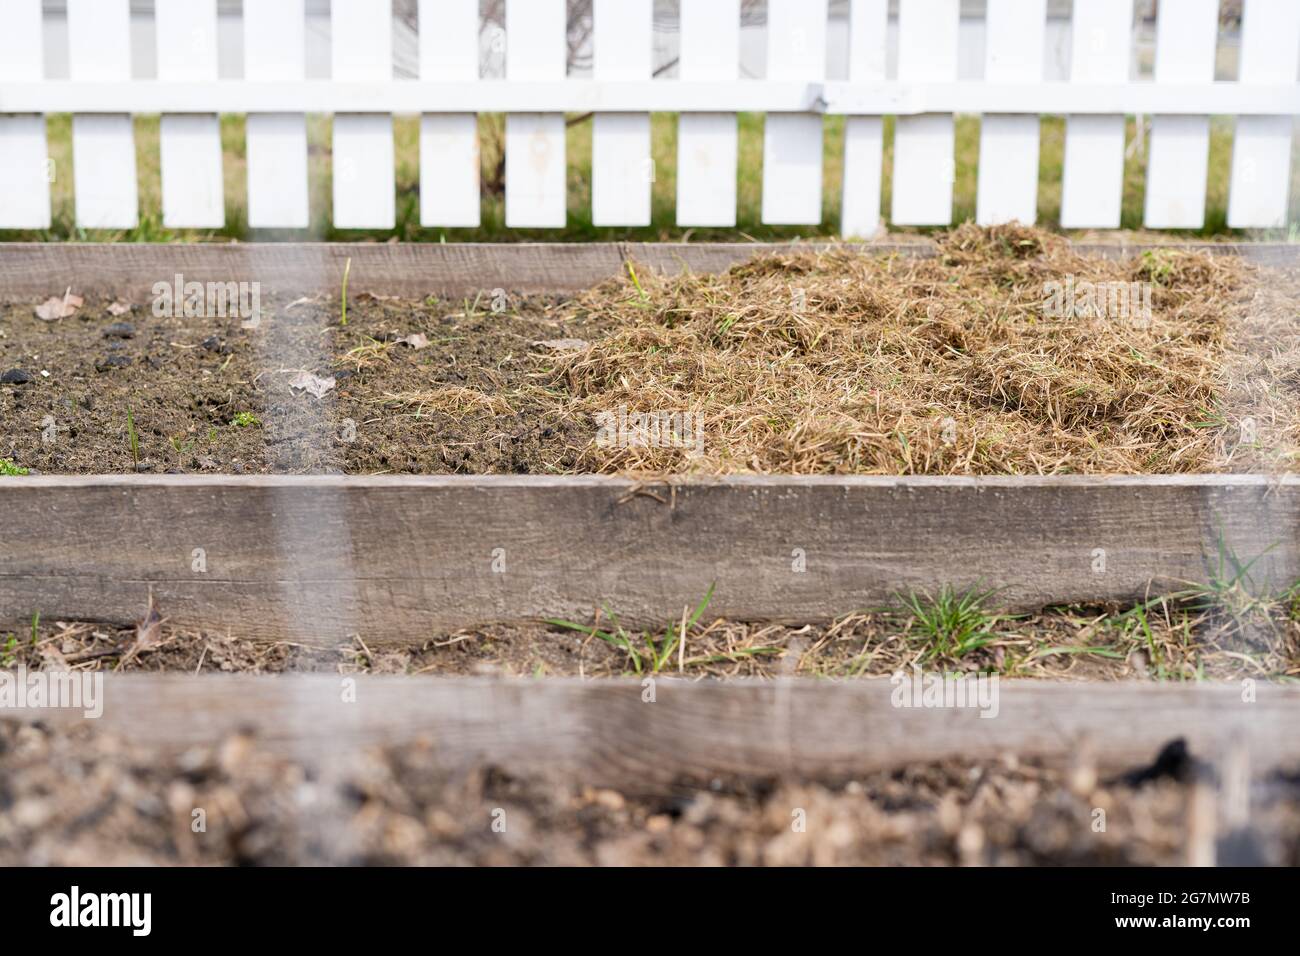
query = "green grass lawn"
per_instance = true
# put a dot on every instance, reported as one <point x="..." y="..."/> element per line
<point x="580" y="228"/>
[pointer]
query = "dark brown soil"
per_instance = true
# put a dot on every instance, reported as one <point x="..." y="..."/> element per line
<point x="78" y="798"/>
<point x="187" y="384"/>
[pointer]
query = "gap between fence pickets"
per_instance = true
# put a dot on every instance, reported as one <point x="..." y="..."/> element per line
<point x="131" y="270"/>
<point x="654" y="732"/>
<point x="227" y="554"/>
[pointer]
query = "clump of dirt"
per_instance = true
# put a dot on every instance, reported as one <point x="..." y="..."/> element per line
<point x="1009" y="353"/>
<point x="75" y="797"/>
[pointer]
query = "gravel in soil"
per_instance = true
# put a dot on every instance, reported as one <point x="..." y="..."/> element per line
<point x="76" y="797"/>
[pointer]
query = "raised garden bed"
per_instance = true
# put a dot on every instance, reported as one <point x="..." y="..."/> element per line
<point x="881" y="426"/>
<point x="411" y="772"/>
<point x="839" y="361"/>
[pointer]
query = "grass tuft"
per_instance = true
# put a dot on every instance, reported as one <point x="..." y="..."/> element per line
<point x="648" y="653"/>
<point x="951" y="624"/>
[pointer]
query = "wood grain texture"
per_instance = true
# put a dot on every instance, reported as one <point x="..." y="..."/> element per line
<point x="38" y="270"/>
<point x="318" y="559"/>
<point x="605" y="731"/>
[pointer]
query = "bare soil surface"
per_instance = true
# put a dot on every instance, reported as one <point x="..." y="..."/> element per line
<point x="831" y="363"/>
<point x="77" y="797"/>
<point x="1159" y="640"/>
<point x="209" y="395"/>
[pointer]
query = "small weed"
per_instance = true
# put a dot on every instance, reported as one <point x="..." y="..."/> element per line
<point x="1230" y="590"/>
<point x="1158" y="265"/>
<point x="657" y="652"/>
<point x="245" y="420"/>
<point x="952" y="624"/>
<point x="10" y="654"/>
<point x="9" y="470"/>
<point x="641" y="293"/>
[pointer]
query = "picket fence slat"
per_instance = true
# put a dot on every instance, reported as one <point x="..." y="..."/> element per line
<point x="24" y="162"/>
<point x="361" y="48"/>
<point x="1015" y="33"/>
<point x="1261" y="151"/>
<point x="792" y="142"/>
<point x="864" y="136"/>
<point x="1092" y="182"/>
<point x="449" y="95"/>
<point x="103" y="145"/>
<point x="275" y="48"/>
<point x="449" y="148"/>
<point x="1178" y="157"/>
<point x="189" y="145"/>
<point x="924" y="158"/>
<point x="708" y="143"/>
<point x="622" y="171"/>
<point x="536" y="50"/>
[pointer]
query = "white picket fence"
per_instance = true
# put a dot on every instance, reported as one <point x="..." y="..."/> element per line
<point x="362" y="95"/>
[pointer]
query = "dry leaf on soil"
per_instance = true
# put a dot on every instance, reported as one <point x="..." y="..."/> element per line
<point x="312" y="384"/>
<point x="148" y="633"/>
<point x="59" y="308"/>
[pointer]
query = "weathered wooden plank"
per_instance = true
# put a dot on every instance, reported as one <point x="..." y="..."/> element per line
<point x="608" y="732"/>
<point x="320" y="558"/>
<point x="38" y="270"/>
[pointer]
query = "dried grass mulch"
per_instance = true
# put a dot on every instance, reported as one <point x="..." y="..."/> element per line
<point x="840" y="363"/>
